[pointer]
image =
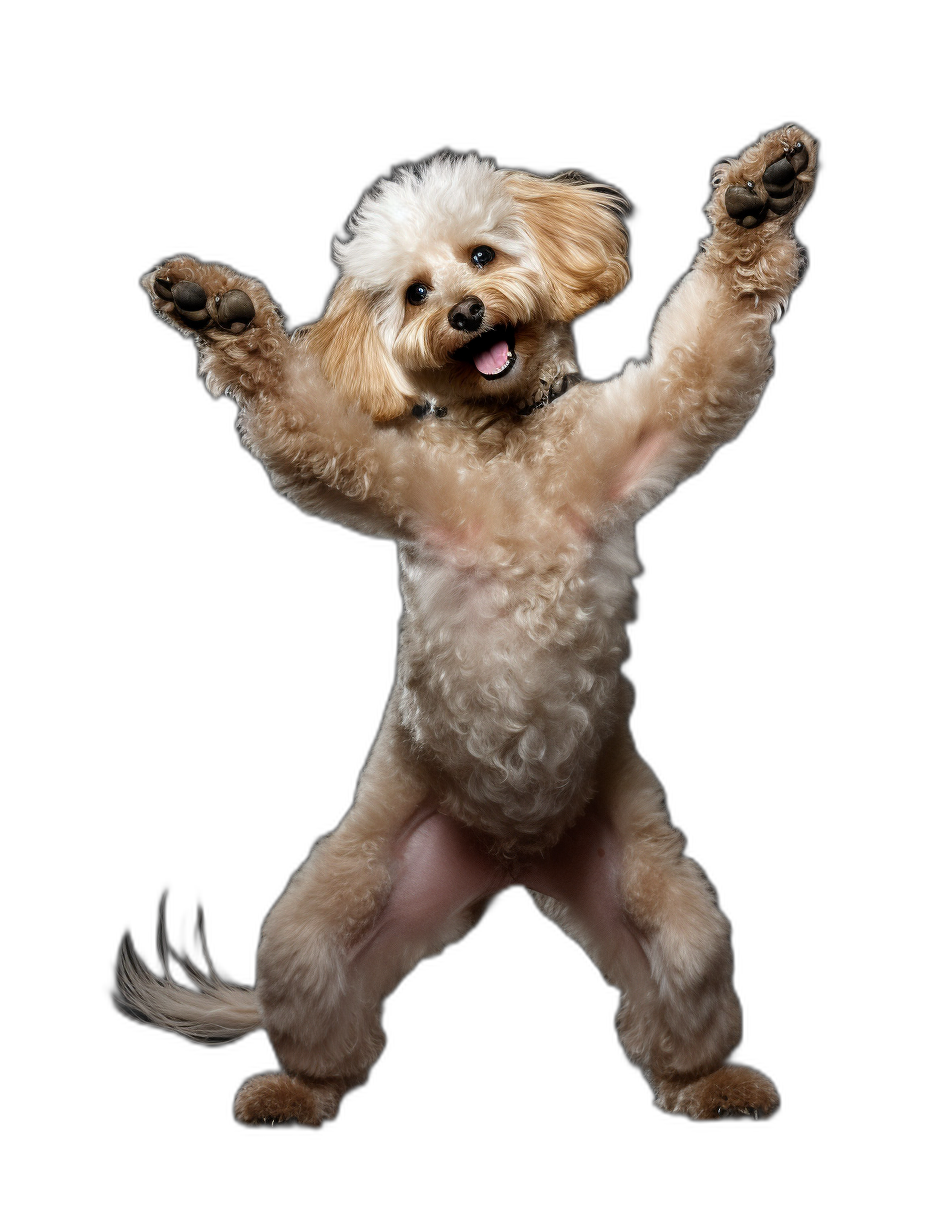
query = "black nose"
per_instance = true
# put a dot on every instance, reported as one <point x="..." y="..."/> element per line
<point x="467" y="315"/>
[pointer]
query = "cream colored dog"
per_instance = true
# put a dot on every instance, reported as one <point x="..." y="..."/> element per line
<point x="438" y="402"/>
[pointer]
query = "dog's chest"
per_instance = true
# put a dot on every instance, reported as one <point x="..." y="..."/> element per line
<point x="509" y="668"/>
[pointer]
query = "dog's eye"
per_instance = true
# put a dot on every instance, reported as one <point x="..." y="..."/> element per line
<point x="482" y="256"/>
<point x="416" y="294"/>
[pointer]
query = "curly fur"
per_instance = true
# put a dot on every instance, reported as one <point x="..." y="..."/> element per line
<point x="505" y="756"/>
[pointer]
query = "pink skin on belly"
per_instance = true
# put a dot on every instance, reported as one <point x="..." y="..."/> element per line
<point x="441" y="871"/>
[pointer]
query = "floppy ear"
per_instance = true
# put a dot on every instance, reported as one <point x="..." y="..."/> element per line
<point x="576" y="227"/>
<point x="353" y="355"/>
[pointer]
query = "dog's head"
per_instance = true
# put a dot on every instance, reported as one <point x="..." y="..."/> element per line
<point x="452" y="274"/>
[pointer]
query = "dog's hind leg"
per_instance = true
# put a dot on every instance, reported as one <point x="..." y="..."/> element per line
<point x="394" y="883"/>
<point x="620" y="884"/>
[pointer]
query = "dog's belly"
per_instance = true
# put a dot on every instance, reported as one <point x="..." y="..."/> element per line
<point x="509" y="683"/>
<point x="442" y="874"/>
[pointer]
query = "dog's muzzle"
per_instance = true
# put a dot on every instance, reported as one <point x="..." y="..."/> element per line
<point x="467" y="316"/>
<point x="492" y="352"/>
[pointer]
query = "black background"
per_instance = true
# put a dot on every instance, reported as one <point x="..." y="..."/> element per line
<point x="242" y="653"/>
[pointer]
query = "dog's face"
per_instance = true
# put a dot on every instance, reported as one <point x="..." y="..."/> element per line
<point x="453" y="274"/>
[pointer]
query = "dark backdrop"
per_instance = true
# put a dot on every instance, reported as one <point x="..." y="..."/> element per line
<point x="243" y="652"/>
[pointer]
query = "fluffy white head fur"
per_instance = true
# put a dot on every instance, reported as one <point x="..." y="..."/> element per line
<point x="449" y="201"/>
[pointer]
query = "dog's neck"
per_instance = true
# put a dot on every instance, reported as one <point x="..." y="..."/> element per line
<point x="548" y="391"/>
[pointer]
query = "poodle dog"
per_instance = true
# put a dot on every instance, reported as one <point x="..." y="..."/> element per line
<point x="438" y="402"/>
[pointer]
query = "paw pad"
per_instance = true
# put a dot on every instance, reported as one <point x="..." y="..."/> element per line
<point x="190" y="302"/>
<point x="232" y="311"/>
<point x="748" y="206"/>
<point x="780" y="178"/>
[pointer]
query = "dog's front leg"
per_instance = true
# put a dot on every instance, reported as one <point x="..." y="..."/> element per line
<point x="244" y="349"/>
<point x="711" y="347"/>
<point x="320" y="449"/>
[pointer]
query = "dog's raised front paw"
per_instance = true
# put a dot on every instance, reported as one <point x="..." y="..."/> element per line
<point x="233" y="310"/>
<point x="771" y="177"/>
<point x="200" y="296"/>
<point x="780" y="178"/>
<point x="749" y="207"/>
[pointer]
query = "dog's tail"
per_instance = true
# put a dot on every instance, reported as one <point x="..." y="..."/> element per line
<point x="212" y="1012"/>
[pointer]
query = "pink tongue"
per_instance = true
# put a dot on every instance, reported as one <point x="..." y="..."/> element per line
<point x="491" y="361"/>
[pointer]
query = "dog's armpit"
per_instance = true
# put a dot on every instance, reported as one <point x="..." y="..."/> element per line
<point x="638" y="464"/>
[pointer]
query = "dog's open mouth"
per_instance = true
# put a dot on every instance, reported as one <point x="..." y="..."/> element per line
<point x="493" y="353"/>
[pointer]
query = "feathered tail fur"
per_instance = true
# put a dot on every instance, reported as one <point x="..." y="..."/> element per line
<point x="212" y="1012"/>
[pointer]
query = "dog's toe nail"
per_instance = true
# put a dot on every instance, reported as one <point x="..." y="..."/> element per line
<point x="235" y="311"/>
<point x="732" y="1114"/>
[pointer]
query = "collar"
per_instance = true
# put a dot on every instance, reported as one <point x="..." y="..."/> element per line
<point x="559" y="386"/>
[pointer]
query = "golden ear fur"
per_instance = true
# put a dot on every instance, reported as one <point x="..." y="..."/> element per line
<point x="353" y="356"/>
<point x="579" y="236"/>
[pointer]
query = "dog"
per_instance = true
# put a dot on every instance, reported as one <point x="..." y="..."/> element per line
<point x="438" y="401"/>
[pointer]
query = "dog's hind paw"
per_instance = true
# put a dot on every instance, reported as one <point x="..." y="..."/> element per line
<point x="732" y="1091"/>
<point x="272" y="1099"/>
